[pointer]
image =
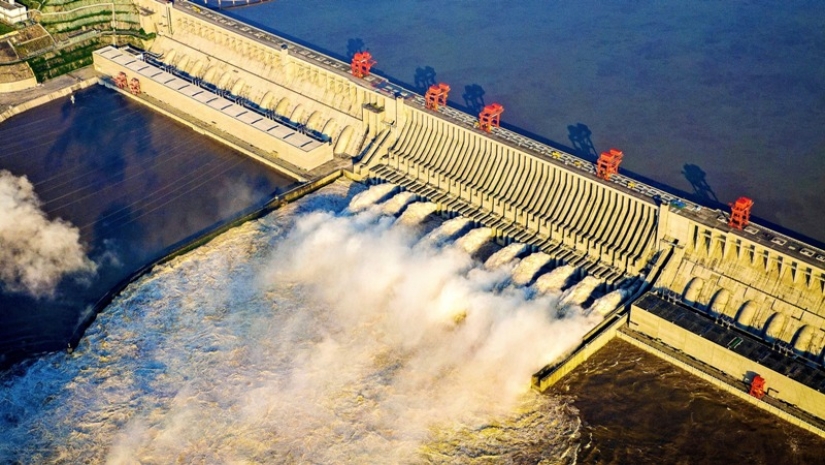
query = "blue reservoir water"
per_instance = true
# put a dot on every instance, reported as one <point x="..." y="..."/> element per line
<point x="713" y="99"/>
<point x="134" y="182"/>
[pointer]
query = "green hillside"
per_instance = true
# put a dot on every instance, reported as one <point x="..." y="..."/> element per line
<point x="64" y="33"/>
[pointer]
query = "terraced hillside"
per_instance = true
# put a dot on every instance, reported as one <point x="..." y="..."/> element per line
<point x="62" y="34"/>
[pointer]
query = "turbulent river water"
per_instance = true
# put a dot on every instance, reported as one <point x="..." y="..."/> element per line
<point x="317" y="334"/>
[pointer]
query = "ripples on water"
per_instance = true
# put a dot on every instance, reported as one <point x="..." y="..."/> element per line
<point x="311" y="336"/>
<point x="132" y="181"/>
<point x="639" y="409"/>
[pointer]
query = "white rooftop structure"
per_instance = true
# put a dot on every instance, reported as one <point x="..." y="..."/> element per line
<point x="12" y="12"/>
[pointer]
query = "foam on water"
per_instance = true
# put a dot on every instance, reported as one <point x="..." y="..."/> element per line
<point x="371" y="196"/>
<point x="309" y="336"/>
<point x="607" y="303"/>
<point x="416" y="213"/>
<point x="397" y="203"/>
<point x="505" y="256"/>
<point x="577" y="294"/>
<point x="445" y="231"/>
<point x="528" y="267"/>
<point x="475" y="239"/>
<point x="553" y="281"/>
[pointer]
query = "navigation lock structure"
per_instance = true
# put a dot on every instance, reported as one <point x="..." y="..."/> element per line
<point x="730" y="301"/>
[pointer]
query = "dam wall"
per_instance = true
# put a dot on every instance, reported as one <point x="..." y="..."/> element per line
<point x="525" y="196"/>
<point x="765" y="282"/>
<point x="312" y="90"/>
<point x="756" y="279"/>
<point x="266" y="134"/>
<point x="755" y="282"/>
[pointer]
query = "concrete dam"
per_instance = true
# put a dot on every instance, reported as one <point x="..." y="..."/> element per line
<point x="742" y="306"/>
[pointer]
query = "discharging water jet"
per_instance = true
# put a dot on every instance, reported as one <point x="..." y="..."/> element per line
<point x="555" y="280"/>
<point x="505" y="256"/>
<point x="529" y="266"/>
<point x="475" y="239"/>
<point x="371" y="196"/>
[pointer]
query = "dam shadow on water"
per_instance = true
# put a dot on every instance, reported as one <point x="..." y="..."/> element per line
<point x="136" y="184"/>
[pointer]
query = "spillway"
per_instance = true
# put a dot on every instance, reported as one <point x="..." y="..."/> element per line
<point x="307" y="112"/>
<point x="256" y="347"/>
<point x="505" y="256"/>
<point x="529" y="266"/>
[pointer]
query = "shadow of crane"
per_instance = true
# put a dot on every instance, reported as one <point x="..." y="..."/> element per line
<point x="697" y="179"/>
<point x="581" y="137"/>
<point x="354" y="46"/>
<point x="474" y="98"/>
<point x="424" y="78"/>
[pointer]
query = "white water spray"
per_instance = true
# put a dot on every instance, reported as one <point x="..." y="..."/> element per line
<point x="35" y="252"/>
<point x="577" y="294"/>
<point x="397" y="203"/>
<point x="607" y="303"/>
<point x="321" y="338"/>
<point x="475" y="239"/>
<point x="445" y="231"/>
<point x="371" y="196"/>
<point x="528" y="267"/>
<point x="553" y="281"/>
<point x="416" y="213"/>
<point x="505" y="256"/>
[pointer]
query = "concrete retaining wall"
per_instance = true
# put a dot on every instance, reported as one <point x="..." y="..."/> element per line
<point x="726" y="361"/>
<point x="546" y="378"/>
<point x="18" y="85"/>
<point x="693" y="370"/>
<point x="43" y="99"/>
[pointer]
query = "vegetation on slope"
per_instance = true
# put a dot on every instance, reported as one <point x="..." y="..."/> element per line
<point x="5" y="28"/>
<point x="74" y="29"/>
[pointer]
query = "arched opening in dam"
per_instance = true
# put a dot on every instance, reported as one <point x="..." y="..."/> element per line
<point x="133" y="182"/>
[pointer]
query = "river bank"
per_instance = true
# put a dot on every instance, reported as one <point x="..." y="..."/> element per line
<point x="14" y="103"/>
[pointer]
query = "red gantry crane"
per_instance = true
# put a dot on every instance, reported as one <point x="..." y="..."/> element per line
<point x="121" y="81"/>
<point x="134" y="86"/>
<point x="740" y="212"/>
<point x="490" y="117"/>
<point x="608" y="163"/>
<point x="757" y="387"/>
<point x="361" y="64"/>
<point x="436" y="96"/>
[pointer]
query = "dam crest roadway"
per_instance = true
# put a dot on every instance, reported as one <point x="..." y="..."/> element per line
<point x="672" y="259"/>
